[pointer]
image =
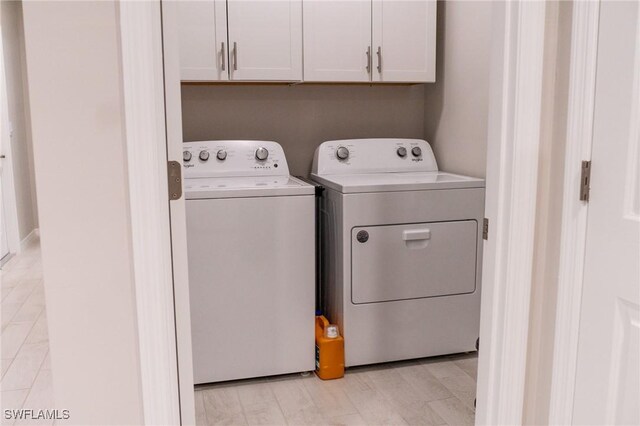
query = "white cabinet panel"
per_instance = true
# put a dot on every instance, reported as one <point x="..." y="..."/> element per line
<point x="202" y="32"/>
<point x="265" y="39"/>
<point x="337" y="35"/>
<point x="404" y="40"/>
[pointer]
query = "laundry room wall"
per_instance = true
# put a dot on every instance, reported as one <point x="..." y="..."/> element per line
<point x="457" y="104"/>
<point x="300" y="117"/>
<point x="17" y="97"/>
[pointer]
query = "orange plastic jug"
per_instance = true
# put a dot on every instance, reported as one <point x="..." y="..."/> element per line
<point x="329" y="350"/>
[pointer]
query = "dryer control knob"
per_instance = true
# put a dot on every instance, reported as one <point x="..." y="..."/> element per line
<point x="221" y="155"/>
<point x="402" y="151"/>
<point x="262" y="153"/>
<point x="186" y="156"/>
<point x="342" y="153"/>
<point x="416" y="151"/>
<point x="204" y="155"/>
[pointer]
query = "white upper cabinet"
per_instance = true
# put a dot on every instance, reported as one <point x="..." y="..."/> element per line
<point x="404" y="40"/>
<point x="265" y="40"/>
<point x="344" y="40"/>
<point x="202" y="32"/>
<point x="337" y="40"/>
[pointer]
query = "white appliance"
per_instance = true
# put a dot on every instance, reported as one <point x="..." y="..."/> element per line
<point x="402" y="245"/>
<point x="251" y="248"/>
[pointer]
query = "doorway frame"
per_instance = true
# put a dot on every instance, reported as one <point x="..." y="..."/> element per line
<point x="580" y="116"/>
<point x="514" y="125"/>
<point x="11" y="206"/>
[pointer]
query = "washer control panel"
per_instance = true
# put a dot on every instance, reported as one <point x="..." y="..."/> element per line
<point x="355" y="156"/>
<point x="233" y="158"/>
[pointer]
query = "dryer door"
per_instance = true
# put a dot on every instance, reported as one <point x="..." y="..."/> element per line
<point x="398" y="262"/>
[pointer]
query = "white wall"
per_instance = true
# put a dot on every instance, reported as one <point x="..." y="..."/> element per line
<point x="76" y="99"/>
<point x="17" y="97"/>
<point x="457" y="105"/>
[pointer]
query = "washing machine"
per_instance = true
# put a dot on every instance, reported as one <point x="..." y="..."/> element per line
<point x="401" y="250"/>
<point x="251" y="255"/>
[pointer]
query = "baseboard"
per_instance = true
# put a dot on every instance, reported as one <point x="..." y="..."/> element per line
<point x="33" y="235"/>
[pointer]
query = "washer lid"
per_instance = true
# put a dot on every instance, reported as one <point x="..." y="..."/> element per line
<point x="236" y="187"/>
<point x="384" y="182"/>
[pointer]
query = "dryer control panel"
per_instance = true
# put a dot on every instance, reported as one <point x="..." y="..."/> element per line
<point x="357" y="156"/>
<point x="228" y="158"/>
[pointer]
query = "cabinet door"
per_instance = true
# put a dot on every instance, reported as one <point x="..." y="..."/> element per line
<point x="202" y="32"/>
<point x="404" y="40"/>
<point x="265" y="39"/>
<point x="337" y="40"/>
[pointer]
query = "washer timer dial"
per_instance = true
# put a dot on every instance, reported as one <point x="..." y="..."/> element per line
<point x="342" y="153"/>
<point x="262" y="153"/>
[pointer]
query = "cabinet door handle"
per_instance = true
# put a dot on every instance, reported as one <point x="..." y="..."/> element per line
<point x="235" y="56"/>
<point x="368" y="59"/>
<point x="224" y="62"/>
<point x="379" y="59"/>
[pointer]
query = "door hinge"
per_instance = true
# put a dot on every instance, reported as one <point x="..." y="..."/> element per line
<point x="585" y="180"/>
<point x="174" y="172"/>
<point x="485" y="229"/>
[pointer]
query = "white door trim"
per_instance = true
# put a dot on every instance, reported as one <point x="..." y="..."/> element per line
<point x="143" y="89"/>
<point x="8" y="199"/>
<point x="512" y="180"/>
<point x="582" y="86"/>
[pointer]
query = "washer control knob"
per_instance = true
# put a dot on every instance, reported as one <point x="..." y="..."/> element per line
<point x="262" y="153"/>
<point x="342" y="153"/>
<point x="416" y="151"/>
<point x="402" y="151"/>
<point x="221" y="155"/>
<point x="204" y="155"/>
<point x="186" y="156"/>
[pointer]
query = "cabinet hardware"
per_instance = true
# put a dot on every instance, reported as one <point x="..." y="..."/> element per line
<point x="379" y="59"/>
<point x="235" y="56"/>
<point x="224" y="62"/>
<point x="368" y="59"/>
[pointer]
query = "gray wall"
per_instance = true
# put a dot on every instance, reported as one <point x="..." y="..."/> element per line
<point x="303" y="116"/>
<point x="17" y="97"/>
<point x="457" y="105"/>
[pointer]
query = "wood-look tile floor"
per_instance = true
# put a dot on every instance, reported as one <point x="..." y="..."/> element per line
<point x="26" y="370"/>
<point x="429" y="391"/>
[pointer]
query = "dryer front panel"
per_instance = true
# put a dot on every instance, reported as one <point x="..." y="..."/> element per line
<point x="413" y="261"/>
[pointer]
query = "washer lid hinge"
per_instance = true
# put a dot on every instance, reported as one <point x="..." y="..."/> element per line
<point x="485" y="229"/>
<point x="174" y="174"/>
<point x="585" y="180"/>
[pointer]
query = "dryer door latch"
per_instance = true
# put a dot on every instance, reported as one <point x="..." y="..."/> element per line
<point x="174" y="174"/>
<point x="485" y="229"/>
